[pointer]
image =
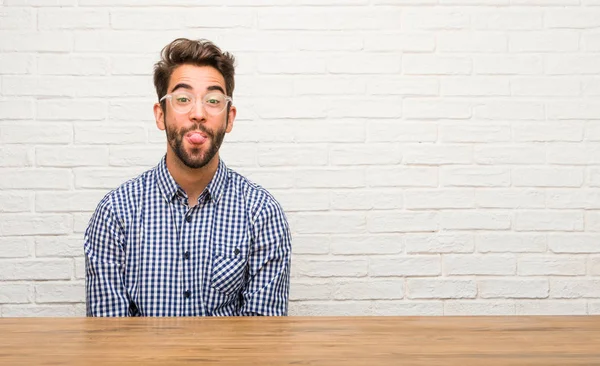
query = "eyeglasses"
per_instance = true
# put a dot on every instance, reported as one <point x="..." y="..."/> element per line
<point x="183" y="102"/>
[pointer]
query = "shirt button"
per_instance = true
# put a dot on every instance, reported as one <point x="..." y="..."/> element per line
<point x="187" y="294"/>
<point x="188" y="218"/>
<point x="186" y="255"/>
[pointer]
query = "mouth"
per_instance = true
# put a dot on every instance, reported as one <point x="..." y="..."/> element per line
<point x="196" y="137"/>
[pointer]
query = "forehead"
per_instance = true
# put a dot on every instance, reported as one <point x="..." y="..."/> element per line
<point x="198" y="77"/>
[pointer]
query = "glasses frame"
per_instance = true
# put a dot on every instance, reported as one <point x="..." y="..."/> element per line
<point x="194" y="98"/>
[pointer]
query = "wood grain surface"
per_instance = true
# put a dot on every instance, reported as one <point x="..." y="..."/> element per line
<point x="532" y="340"/>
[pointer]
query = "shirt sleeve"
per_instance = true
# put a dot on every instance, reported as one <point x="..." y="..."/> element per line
<point x="104" y="248"/>
<point x="267" y="290"/>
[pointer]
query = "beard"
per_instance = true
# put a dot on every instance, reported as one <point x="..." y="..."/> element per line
<point x="195" y="158"/>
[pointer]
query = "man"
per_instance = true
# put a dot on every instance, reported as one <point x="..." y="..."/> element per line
<point x="189" y="237"/>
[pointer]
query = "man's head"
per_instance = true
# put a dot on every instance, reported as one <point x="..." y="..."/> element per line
<point x="194" y="82"/>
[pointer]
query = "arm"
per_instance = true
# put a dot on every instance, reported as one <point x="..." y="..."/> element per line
<point x="268" y="286"/>
<point x="104" y="263"/>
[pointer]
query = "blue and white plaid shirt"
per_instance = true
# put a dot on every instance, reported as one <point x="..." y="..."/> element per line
<point x="149" y="254"/>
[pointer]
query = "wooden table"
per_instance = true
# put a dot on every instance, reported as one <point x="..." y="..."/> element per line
<point x="532" y="340"/>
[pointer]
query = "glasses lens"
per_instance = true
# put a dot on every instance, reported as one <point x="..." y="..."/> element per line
<point x="182" y="102"/>
<point x="214" y="103"/>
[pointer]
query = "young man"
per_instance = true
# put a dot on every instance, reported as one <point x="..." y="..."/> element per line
<point x="189" y="237"/>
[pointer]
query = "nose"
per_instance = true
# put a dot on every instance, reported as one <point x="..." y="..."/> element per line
<point x="197" y="112"/>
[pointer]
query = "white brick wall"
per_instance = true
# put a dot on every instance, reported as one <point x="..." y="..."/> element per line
<point x="434" y="157"/>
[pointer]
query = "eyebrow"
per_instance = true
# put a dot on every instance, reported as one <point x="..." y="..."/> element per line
<point x="188" y="87"/>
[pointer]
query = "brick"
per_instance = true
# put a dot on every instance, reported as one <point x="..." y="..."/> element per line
<point x="34" y="224"/>
<point x="475" y="220"/>
<point x="22" y="19"/>
<point x="132" y="65"/>
<point x="583" y="18"/>
<point x="21" y="109"/>
<point x="407" y="308"/>
<point x="548" y="131"/>
<point x="439" y="198"/>
<point x="330" y="223"/>
<point x="15" y="156"/>
<point x="128" y="42"/>
<point x="366" y="63"/>
<point x="472" y="41"/>
<point x="568" y="64"/>
<point x="327" y="41"/>
<point x="35" y="179"/>
<point x="508" y="64"/>
<point x="544" y="41"/>
<point x="572" y="110"/>
<point x="434" y="19"/>
<point x="511" y="110"/>
<point x="573" y="198"/>
<point x="80" y="270"/>
<point x="462" y="132"/>
<point x="378" y="107"/>
<point x="109" y="134"/>
<point x="594" y="177"/>
<point x="414" y="265"/>
<point x="292" y="155"/>
<point x="556" y="86"/>
<point x="507" y="20"/>
<point x="479" y="265"/>
<point x="436" y="65"/>
<point x="331" y="267"/>
<point x="276" y="108"/>
<point x="242" y="41"/>
<point x="54" y="269"/>
<point x="401" y="221"/>
<point x="372" y="289"/>
<point x="439" y="243"/>
<point x="594" y="265"/>
<point x="67" y="201"/>
<point x="510" y="198"/>
<point x="21" y="133"/>
<point x="513" y="154"/>
<point x="574" y="243"/>
<point x="15" y="293"/>
<point x="311" y="244"/>
<point x="30" y="41"/>
<point x="81" y="221"/>
<point x="574" y="154"/>
<point x="40" y="2"/>
<point x="302" y="200"/>
<point x="363" y="154"/>
<point x="131" y="110"/>
<point x="270" y="178"/>
<point x="475" y="176"/>
<point x="513" y="288"/>
<point x="49" y="64"/>
<point x="329" y="308"/>
<point x="330" y="178"/>
<point x="590" y="41"/>
<point x="474" y="86"/>
<point x="71" y="156"/>
<point x="550" y="307"/>
<point x="547" y="177"/>
<point x="72" y="18"/>
<point x="97" y="178"/>
<point x="15" y="246"/>
<point x="71" y="110"/>
<point x="384" y="131"/>
<point x="437" y="154"/>
<point x="253" y="131"/>
<point x="355" y="199"/>
<point x="574" y="288"/>
<point x="57" y="310"/>
<point x="441" y="289"/>
<point x="405" y="42"/>
<point x="405" y="86"/>
<point x="328" y="85"/>
<point x="138" y="156"/>
<point x="593" y="308"/>
<point x="478" y="308"/>
<point x="61" y="292"/>
<point x="311" y="290"/>
<point x="16" y="63"/>
<point x="339" y="19"/>
<point x="292" y="64"/>
<point x="555" y="265"/>
<point x="510" y="243"/>
<point x="590" y="87"/>
<point x="16" y="201"/>
<point x="58" y="246"/>
<point x="592" y="221"/>
<point x="435" y="108"/>
<point x="366" y="244"/>
<point x="317" y="131"/>
<point x="548" y="221"/>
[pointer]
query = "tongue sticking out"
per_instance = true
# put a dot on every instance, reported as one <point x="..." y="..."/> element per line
<point x="196" y="138"/>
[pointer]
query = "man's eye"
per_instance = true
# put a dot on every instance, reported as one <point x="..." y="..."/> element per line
<point x="213" y="101"/>
<point x="182" y="100"/>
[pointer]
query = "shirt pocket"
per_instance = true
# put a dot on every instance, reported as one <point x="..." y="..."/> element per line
<point x="229" y="268"/>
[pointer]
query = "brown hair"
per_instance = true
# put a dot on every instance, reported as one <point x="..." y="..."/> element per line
<point x="201" y="52"/>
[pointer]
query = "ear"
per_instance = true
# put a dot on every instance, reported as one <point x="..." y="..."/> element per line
<point x="232" y="114"/>
<point x="159" y="116"/>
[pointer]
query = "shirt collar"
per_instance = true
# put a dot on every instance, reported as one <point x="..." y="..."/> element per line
<point x="169" y="187"/>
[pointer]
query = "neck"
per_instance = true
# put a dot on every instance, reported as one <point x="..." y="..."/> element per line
<point x="192" y="181"/>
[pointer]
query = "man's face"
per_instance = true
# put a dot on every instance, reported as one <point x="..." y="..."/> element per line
<point x="195" y="137"/>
